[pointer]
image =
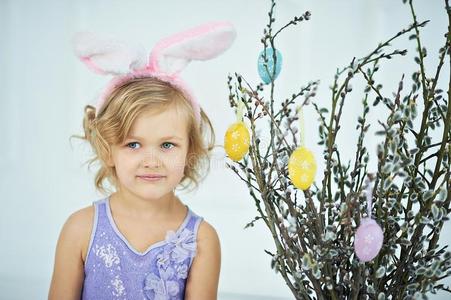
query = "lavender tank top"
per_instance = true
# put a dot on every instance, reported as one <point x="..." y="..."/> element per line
<point x="115" y="270"/>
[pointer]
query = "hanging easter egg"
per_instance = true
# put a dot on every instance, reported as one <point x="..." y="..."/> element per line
<point x="236" y="141"/>
<point x="264" y="74"/>
<point x="368" y="240"/>
<point x="302" y="168"/>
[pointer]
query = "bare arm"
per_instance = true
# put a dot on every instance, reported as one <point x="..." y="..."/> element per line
<point x="203" y="277"/>
<point x="68" y="272"/>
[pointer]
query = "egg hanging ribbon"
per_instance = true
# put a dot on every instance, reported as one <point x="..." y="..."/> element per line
<point x="369" y="236"/>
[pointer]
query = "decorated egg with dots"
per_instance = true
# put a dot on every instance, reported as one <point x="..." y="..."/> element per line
<point x="302" y="168"/>
<point x="236" y="141"/>
<point x="368" y="240"/>
<point x="266" y="74"/>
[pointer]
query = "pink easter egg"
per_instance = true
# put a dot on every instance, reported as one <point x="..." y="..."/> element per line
<point x="368" y="239"/>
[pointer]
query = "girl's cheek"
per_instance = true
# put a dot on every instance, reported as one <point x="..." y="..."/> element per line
<point x="131" y="159"/>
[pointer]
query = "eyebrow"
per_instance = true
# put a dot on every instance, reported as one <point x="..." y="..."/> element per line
<point x="162" y="138"/>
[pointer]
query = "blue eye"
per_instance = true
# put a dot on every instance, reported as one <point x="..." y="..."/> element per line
<point x="167" y="143"/>
<point x="132" y="144"/>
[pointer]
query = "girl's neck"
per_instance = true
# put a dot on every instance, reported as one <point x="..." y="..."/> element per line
<point x="135" y="207"/>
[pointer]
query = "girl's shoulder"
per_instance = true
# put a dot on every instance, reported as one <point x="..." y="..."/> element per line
<point x="207" y="234"/>
<point x="80" y="224"/>
<point x="68" y="271"/>
<point x="205" y="269"/>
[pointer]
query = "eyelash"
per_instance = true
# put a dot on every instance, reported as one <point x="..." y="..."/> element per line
<point x="128" y="145"/>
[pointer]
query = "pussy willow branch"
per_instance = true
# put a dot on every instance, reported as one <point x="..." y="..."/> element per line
<point x="257" y="156"/>
<point x="267" y="200"/>
<point x="266" y="175"/>
<point x="382" y="177"/>
<point x="446" y="50"/>
<point x="341" y="92"/>
<point x="447" y="121"/>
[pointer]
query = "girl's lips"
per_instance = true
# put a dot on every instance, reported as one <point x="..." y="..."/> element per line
<point x="153" y="178"/>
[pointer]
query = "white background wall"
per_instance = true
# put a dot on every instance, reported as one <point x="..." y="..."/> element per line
<point x="44" y="88"/>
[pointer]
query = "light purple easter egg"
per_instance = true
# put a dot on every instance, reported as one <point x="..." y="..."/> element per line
<point x="368" y="239"/>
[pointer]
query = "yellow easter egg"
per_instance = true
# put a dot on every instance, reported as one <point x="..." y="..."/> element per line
<point x="302" y="168"/>
<point x="236" y="141"/>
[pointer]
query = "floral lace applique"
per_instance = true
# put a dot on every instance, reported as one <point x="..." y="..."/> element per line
<point x="171" y="266"/>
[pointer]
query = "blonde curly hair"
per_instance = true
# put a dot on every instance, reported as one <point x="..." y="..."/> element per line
<point x="112" y="124"/>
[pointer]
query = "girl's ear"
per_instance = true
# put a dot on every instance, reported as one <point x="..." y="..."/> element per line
<point x="107" y="56"/>
<point x="172" y="54"/>
<point x="109" y="162"/>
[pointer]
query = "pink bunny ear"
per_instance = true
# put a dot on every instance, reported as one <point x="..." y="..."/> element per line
<point x="172" y="54"/>
<point x="107" y="56"/>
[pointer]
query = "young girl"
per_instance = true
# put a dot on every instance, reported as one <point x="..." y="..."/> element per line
<point x="147" y="132"/>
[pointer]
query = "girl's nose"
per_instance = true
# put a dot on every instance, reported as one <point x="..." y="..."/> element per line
<point x="151" y="160"/>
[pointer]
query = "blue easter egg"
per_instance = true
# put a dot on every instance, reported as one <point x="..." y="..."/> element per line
<point x="264" y="75"/>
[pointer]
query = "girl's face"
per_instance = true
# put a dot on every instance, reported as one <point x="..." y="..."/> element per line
<point x="157" y="145"/>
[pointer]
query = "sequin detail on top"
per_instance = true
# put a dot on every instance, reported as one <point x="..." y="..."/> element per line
<point x="115" y="270"/>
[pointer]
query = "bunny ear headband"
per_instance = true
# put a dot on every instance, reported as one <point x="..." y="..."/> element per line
<point x="167" y="59"/>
